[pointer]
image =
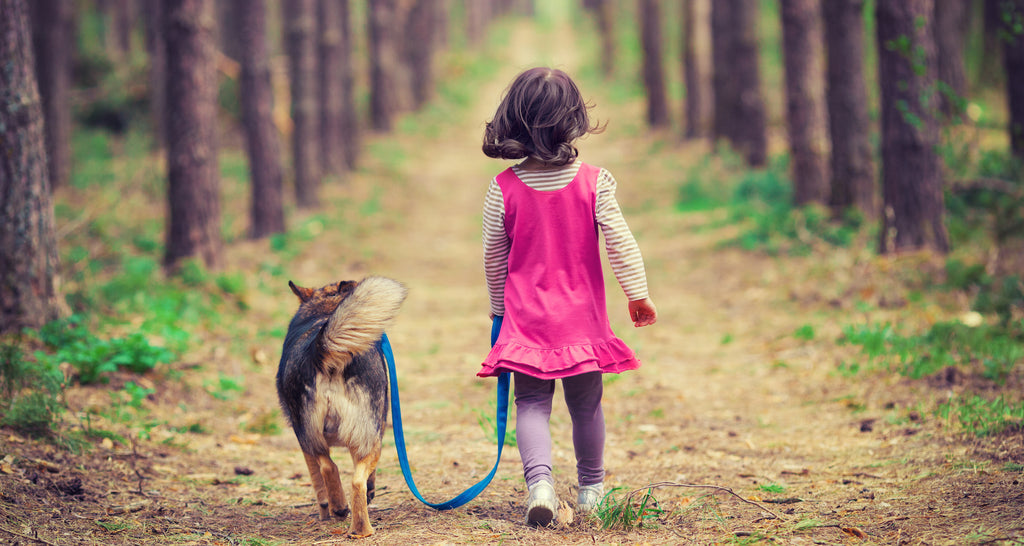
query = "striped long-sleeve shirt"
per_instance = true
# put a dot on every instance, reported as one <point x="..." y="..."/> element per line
<point x="623" y="252"/>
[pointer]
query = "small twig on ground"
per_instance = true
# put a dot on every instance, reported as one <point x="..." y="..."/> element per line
<point x="698" y="486"/>
<point x="27" y="537"/>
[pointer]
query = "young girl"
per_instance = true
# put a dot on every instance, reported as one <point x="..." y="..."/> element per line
<point x="542" y="260"/>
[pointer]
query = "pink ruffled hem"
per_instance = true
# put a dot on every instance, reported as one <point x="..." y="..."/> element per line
<point x="610" y="357"/>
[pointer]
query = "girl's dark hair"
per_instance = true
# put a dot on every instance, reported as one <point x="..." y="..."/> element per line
<point x="541" y="114"/>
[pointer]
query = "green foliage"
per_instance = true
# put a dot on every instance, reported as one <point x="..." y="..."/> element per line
<point x="487" y="421"/>
<point x="772" y="488"/>
<point x="31" y="393"/>
<point x="225" y="388"/>
<point x="991" y="204"/>
<point x="804" y="333"/>
<point x="1003" y="297"/>
<point x="93" y="357"/>
<point x="980" y="417"/>
<point x="945" y="344"/>
<point x="633" y="511"/>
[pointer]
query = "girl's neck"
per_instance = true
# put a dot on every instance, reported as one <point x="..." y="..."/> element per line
<point x="531" y="163"/>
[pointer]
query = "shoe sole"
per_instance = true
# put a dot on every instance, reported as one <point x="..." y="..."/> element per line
<point x="540" y="516"/>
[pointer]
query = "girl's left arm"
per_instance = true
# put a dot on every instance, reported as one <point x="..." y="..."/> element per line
<point x="623" y="251"/>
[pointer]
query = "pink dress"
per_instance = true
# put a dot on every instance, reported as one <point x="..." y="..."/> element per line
<point x="556" y="323"/>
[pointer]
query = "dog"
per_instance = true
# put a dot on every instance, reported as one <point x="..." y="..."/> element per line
<point x="332" y="384"/>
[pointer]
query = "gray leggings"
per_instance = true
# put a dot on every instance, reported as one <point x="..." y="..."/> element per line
<point x="533" y="411"/>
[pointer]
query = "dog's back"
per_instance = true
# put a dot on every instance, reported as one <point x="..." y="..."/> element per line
<point x="332" y="383"/>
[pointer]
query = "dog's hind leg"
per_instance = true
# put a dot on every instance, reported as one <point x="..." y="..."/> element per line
<point x="362" y="478"/>
<point x="318" y="485"/>
<point x="371" y="487"/>
<point x="330" y="496"/>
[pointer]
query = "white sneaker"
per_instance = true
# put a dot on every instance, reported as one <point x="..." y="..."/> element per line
<point x="590" y="496"/>
<point x="541" y="505"/>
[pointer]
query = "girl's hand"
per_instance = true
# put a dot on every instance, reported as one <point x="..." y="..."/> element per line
<point x="643" y="312"/>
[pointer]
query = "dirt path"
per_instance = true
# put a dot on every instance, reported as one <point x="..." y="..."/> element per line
<point x="726" y="396"/>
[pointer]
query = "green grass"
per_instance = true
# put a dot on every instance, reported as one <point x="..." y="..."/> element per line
<point x="628" y="512"/>
<point x="945" y="344"/>
<point x="981" y="417"/>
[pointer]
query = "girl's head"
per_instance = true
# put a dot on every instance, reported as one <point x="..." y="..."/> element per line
<point x="541" y="114"/>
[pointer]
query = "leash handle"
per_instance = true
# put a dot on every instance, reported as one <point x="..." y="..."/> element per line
<point x="396" y="426"/>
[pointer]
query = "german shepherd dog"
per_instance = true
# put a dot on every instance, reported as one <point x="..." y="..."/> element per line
<point x="333" y="386"/>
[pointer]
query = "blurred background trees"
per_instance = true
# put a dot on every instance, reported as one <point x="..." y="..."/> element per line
<point x="876" y="107"/>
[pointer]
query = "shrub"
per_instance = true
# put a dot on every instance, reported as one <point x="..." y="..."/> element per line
<point x="31" y="402"/>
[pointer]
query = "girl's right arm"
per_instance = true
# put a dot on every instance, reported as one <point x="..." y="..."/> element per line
<point x="496" y="248"/>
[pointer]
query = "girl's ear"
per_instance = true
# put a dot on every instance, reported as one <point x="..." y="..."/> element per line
<point x="303" y="293"/>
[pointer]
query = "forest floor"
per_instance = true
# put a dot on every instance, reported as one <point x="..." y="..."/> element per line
<point x="727" y="397"/>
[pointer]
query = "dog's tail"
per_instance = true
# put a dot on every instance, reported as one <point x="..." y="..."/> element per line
<point x="361" y="318"/>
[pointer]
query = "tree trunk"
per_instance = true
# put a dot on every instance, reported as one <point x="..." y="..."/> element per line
<point x="739" y="104"/>
<point x="1013" y="61"/>
<point x="117" y="16"/>
<point x="29" y="285"/>
<point x="383" y="63"/>
<point x="52" y="37"/>
<point x="950" y="30"/>
<point x="419" y="50"/>
<point x="698" y="102"/>
<point x="604" y="11"/>
<point x="911" y="176"/>
<point x="805" y="101"/>
<point x="653" y="69"/>
<point x="991" y="64"/>
<point x="156" y="49"/>
<point x="350" y="117"/>
<point x="853" y="169"/>
<point x="261" y="138"/>
<point x="193" y="228"/>
<point x="478" y="13"/>
<point x="228" y="40"/>
<point x="330" y="73"/>
<point x="300" y="41"/>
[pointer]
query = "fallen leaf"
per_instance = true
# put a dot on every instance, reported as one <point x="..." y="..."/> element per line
<point x="565" y="514"/>
<point x="854" y="532"/>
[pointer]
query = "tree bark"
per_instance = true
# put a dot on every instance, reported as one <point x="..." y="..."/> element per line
<point x="52" y="38"/>
<point x="853" y="165"/>
<point x="911" y="175"/>
<point x="805" y="101"/>
<point x="1013" y="61"/>
<point x="990" y="71"/>
<point x="300" y="41"/>
<point x="261" y="138"/>
<point x="698" y="103"/>
<point x="604" y="12"/>
<point x="419" y="50"/>
<point x="193" y="192"/>
<point x="739" y="103"/>
<point x="350" y="117"/>
<point x="330" y="74"/>
<point x="950" y="30"/>
<point x="29" y="264"/>
<point x="156" y="49"/>
<point x="653" y="71"/>
<point x="383" y="63"/>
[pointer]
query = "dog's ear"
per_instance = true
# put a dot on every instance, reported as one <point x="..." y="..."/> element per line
<point x="303" y="293"/>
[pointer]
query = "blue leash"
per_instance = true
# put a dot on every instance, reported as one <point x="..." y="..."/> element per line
<point x="396" y="418"/>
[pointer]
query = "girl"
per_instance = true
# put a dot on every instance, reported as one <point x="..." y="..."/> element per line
<point x="542" y="260"/>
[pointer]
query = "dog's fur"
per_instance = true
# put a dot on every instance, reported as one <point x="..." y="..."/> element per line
<point x="333" y="386"/>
